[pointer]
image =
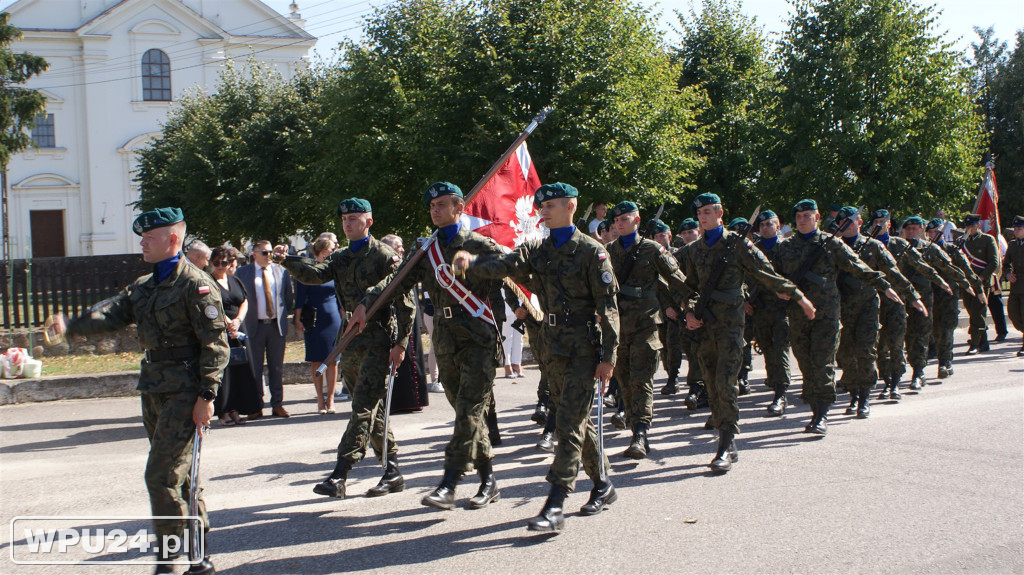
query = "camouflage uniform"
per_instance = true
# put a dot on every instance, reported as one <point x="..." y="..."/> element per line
<point x="466" y="347"/>
<point x="182" y="327"/>
<point x="721" y="340"/>
<point x="691" y="345"/>
<point x="1014" y="262"/>
<point x="982" y="252"/>
<point x="892" y="362"/>
<point x="364" y="365"/>
<point x="946" y="308"/>
<point x="640" y="315"/>
<point x="815" y="341"/>
<point x="919" y="327"/>
<point x="771" y="327"/>
<point x="576" y="285"/>
<point x="671" y="336"/>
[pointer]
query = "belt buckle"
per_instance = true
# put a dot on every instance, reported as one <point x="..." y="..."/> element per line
<point x="348" y="315"/>
<point x="552" y="320"/>
<point x="447" y="312"/>
<point x="145" y="355"/>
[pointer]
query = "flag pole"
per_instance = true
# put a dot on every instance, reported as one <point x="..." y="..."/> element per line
<point x="414" y="259"/>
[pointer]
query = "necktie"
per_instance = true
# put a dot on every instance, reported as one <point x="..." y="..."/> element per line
<point x="269" y="296"/>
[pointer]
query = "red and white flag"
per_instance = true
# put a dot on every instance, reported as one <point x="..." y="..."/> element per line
<point x="987" y="206"/>
<point x="503" y="209"/>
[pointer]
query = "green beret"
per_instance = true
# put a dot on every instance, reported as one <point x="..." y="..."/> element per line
<point x="879" y="214"/>
<point x="658" y="226"/>
<point x="353" y="206"/>
<point x="554" y="191"/>
<point x="915" y="220"/>
<point x="764" y="216"/>
<point x="705" y="200"/>
<point x="622" y="208"/>
<point x="688" y="224"/>
<point x="735" y="223"/>
<point x="846" y="212"/>
<point x="972" y="219"/>
<point x="805" y="205"/>
<point x="157" y="218"/>
<point x="937" y="223"/>
<point x="438" y="189"/>
<point x="603" y="226"/>
<point x="1018" y="221"/>
<point x="834" y="207"/>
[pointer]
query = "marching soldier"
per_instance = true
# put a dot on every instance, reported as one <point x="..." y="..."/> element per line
<point x="364" y="365"/>
<point x="892" y="363"/>
<point x="770" y="319"/>
<point x="982" y="252"/>
<point x="714" y="267"/>
<point x="639" y="263"/>
<point x="182" y="328"/>
<point x="738" y="225"/>
<point x="574" y="274"/>
<point x="859" y="308"/>
<point x="919" y="326"/>
<point x="1013" y="267"/>
<point x="697" y="396"/>
<point x="465" y="340"/>
<point x="669" y="332"/>
<point x="946" y="307"/>
<point x="812" y="259"/>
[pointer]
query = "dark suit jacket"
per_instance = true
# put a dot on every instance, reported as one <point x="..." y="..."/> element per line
<point x="283" y="297"/>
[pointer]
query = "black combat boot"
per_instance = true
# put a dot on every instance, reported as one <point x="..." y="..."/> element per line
<point x="551" y="518"/>
<point x="334" y="485"/>
<point x="488" y="492"/>
<point x="863" y="409"/>
<point x="638" y="446"/>
<point x="726" y="454"/>
<point x="166" y="568"/>
<point x="744" y="387"/>
<point x="392" y="482"/>
<point x="852" y="408"/>
<point x="917" y="380"/>
<point x="983" y="344"/>
<point x="944" y="371"/>
<point x="670" y="386"/>
<point x="540" y="414"/>
<point x="547" y="439"/>
<point x="710" y="423"/>
<point x="702" y="397"/>
<point x="819" y="419"/>
<point x="204" y="567"/>
<point x="601" y="495"/>
<point x="619" y="419"/>
<point x="778" y="405"/>
<point x="444" y="496"/>
<point x="493" y="434"/>
<point x="1020" y="352"/>
<point x="885" y="387"/>
<point x="894" y="392"/>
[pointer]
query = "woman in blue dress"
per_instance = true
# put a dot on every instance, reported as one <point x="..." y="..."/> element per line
<point x="320" y="328"/>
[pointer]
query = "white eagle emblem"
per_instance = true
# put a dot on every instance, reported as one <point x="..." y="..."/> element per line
<point x="526" y="224"/>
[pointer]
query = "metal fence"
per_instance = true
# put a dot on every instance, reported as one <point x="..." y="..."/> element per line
<point x="44" y="286"/>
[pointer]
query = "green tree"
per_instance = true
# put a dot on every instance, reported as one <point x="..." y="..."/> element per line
<point x="1006" y="130"/>
<point x="232" y="160"/>
<point x="725" y="53"/>
<point x="989" y="57"/>
<point x="876" y="108"/>
<point x="439" y="88"/>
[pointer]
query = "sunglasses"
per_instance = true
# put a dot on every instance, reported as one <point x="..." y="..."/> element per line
<point x="222" y="263"/>
<point x="264" y="252"/>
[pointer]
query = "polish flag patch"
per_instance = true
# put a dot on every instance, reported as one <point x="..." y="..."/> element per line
<point x="396" y="258"/>
<point x="203" y="290"/>
<point x="601" y="256"/>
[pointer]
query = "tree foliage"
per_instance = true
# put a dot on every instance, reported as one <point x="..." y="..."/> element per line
<point x="724" y="53"/>
<point x="876" y="109"/>
<point x="19" y="106"/>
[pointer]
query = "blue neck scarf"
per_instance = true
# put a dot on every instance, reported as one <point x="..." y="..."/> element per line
<point x="808" y="236"/>
<point x="358" y="244"/>
<point x="884" y="238"/>
<point x="449" y="232"/>
<point x="851" y="240"/>
<point x="562" y="235"/>
<point x="769" y="243"/>
<point x="163" y="269"/>
<point x="914" y="242"/>
<point x="939" y="242"/>
<point x="712" y="236"/>
<point x="628" y="241"/>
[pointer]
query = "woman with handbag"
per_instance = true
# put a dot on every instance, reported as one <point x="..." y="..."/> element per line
<point x="318" y="318"/>
<point x="239" y="392"/>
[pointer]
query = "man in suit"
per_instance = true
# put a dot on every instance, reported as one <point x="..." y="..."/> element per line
<point x="270" y="297"/>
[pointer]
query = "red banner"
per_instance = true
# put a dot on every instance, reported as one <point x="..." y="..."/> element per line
<point x="503" y="209"/>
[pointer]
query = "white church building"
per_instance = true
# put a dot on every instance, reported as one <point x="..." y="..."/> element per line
<point x="116" y="68"/>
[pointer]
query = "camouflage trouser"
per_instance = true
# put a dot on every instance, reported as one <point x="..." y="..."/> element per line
<point x="671" y="347"/>
<point x="366" y="372"/>
<point x="1015" y="308"/>
<point x="572" y="392"/>
<point x="693" y="371"/>
<point x="858" y="343"/>
<point x="748" y="347"/>
<point x="771" y="331"/>
<point x="167" y="418"/>
<point x="945" y="315"/>
<point x="814" y="344"/>
<point x="977" y="312"/>
<point x="468" y="380"/>
<point x="893" y="318"/>
<point x="535" y="331"/>
<point x="638" y="360"/>
<point x="720" y="352"/>
<point x="919" y="329"/>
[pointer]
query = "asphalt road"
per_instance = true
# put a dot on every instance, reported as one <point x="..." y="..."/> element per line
<point x="933" y="484"/>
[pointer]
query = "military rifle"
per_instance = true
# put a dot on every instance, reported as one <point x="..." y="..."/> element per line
<point x="581" y="224"/>
<point x="634" y="251"/>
